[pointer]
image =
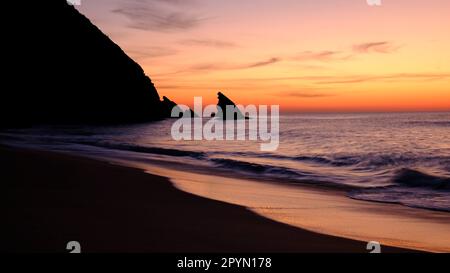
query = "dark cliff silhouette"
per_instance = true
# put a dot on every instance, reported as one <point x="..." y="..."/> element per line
<point x="60" y="68"/>
<point x="223" y="102"/>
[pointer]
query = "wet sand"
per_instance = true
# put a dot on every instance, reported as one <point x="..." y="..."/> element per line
<point x="326" y="211"/>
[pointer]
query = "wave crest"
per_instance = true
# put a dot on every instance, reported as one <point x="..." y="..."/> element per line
<point x="414" y="178"/>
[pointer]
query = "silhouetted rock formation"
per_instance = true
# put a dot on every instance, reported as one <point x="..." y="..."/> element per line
<point x="168" y="106"/>
<point x="63" y="69"/>
<point x="224" y="101"/>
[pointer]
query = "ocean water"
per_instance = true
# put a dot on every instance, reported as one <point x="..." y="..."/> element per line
<point x="399" y="158"/>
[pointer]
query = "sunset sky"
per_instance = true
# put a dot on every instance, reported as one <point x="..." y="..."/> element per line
<point x="305" y="55"/>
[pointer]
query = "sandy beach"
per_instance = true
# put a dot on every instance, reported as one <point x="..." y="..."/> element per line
<point x="49" y="199"/>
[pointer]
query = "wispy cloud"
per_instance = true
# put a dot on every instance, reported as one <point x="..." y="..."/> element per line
<point x="333" y="55"/>
<point x="303" y="94"/>
<point x="234" y="66"/>
<point x="348" y="79"/>
<point x="375" y="47"/>
<point x="168" y="86"/>
<point x="151" y="52"/>
<point x="324" y="56"/>
<point x="208" y="43"/>
<point x="175" y="2"/>
<point x="262" y="63"/>
<point x="160" y="15"/>
<point x="387" y="77"/>
<point x="225" y="66"/>
<point x="209" y="67"/>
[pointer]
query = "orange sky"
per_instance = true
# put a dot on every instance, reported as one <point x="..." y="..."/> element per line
<point x="305" y="55"/>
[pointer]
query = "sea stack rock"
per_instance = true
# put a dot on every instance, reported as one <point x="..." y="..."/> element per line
<point x="168" y="106"/>
<point x="224" y="101"/>
<point x="60" y="68"/>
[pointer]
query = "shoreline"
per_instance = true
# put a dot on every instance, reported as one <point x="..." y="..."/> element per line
<point x="316" y="208"/>
<point x="110" y="208"/>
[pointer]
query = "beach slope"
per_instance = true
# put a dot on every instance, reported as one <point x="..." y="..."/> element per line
<point x="49" y="199"/>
